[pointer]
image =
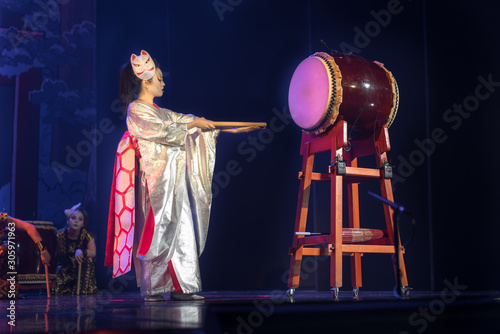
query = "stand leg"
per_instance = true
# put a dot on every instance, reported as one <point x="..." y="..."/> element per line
<point x="386" y="190"/>
<point x="354" y="222"/>
<point x="336" y="226"/>
<point x="301" y="218"/>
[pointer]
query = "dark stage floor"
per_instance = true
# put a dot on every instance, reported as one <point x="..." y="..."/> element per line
<point x="259" y="312"/>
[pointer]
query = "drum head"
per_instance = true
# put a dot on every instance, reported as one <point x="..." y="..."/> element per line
<point x="309" y="93"/>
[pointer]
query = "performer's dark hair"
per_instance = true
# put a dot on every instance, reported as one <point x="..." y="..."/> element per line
<point x="85" y="216"/>
<point x="130" y="84"/>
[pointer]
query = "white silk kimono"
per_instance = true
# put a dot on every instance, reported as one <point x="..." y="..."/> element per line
<point x="174" y="188"/>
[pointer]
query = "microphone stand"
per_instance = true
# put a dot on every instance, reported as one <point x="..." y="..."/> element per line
<point x="397" y="210"/>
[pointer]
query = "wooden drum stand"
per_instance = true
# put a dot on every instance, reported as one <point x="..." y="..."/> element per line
<point x="344" y="169"/>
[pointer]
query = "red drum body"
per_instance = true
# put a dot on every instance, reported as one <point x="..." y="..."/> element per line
<point x="328" y="88"/>
<point x="30" y="268"/>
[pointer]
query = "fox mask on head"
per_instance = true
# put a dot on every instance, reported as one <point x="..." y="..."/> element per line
<point x="143" y="65"/>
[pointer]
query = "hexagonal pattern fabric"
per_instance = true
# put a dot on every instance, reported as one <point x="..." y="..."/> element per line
<point x="124" y="200"/>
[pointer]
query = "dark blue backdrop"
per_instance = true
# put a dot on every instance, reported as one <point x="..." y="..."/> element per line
<point x="235" y="63"/>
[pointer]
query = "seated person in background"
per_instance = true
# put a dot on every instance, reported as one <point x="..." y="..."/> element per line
<point x="75" y="247"/>
<point x="10" y="224"/>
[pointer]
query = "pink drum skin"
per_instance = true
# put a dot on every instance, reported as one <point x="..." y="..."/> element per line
<point x="326" y="88"/>
<point x="309" y="93"/>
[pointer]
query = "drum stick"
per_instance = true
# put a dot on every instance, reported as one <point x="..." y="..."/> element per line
<point x="79" y="275"/>
<point x="47" y="280"/>
<point x="239" y="124"/>
<point x="308" y="233"/>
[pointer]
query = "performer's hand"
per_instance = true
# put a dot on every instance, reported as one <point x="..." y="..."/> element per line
<point x="45" y="256"/>
<point x="242" y="129"/>
<point x="79" y="255"/>
<point x="202" y="124"/>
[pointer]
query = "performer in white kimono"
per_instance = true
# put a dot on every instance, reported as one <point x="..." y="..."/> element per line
<point x="173" y="193"/>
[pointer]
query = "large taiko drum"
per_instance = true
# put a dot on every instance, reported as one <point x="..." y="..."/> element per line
<point x="30" y="269"/>
<point x="328" y="88"/>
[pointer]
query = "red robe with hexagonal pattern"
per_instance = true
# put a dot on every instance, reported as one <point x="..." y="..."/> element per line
<point x="122" y="207"/>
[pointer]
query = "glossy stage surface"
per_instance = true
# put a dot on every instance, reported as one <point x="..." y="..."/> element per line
<point x="449" y="311"/>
